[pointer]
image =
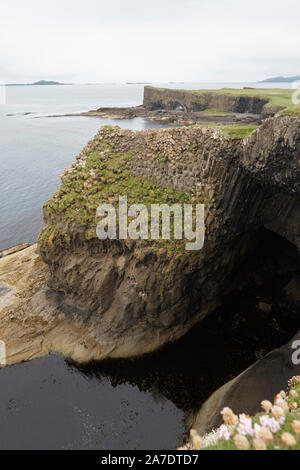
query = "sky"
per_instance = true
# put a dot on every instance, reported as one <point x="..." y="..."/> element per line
<point x="91" y="41"/>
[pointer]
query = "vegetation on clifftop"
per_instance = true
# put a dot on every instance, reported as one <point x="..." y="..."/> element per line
<point x="275" y="96"/>
<point x="292" y="111"/>
<point x="238" y="132"/>
<point x="103" y="172"/>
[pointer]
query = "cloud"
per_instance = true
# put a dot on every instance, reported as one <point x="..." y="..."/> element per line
<point x="144" y="40"/>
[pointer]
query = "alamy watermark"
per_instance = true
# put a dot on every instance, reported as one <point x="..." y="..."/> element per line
<point x="2" y="353"/>
<point x="296" y="93"/>
<point x="296" y="354"/>
<point x="138" y="223"/>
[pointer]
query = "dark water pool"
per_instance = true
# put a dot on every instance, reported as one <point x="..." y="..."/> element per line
<point x="52" y="404"/>
<point x="46" y="404"/>
<point x="142" y="404"/>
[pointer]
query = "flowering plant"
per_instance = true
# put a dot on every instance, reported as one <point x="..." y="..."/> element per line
<point x="276" y="427"/>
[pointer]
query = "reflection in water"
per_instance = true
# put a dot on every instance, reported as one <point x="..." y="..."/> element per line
<point x="137" y="404"/>
<point x="142" y="404"/>
<point x="45" y="404"/>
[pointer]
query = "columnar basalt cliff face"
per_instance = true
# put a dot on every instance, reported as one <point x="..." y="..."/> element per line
<point x="138" y="295"/>
<point x="162" y="98"/>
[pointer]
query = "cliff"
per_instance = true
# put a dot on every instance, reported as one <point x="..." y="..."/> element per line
<point x="32" y="324"/>
<point x="226" y="106"/>
<point x="163" y="98"/>
<point x="138" y="295"/>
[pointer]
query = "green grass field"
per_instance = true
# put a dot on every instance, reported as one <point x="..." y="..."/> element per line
<point x="276" y="96"/>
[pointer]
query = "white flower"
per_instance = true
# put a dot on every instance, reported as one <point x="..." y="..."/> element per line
<point x="259" y="444"/>
<point x="245" y="425"/>
<point x="266" y="435"/>
<point x="223" y="432"/>
<point x="278" y="400"/>
<point x="241" y="442"/>
<point x="277" y="412"/>
<point x="266" y="405"/>
<point x="211" y="439"/>
<point x="296" y="426"/>
<point x="228" y="416"/>
<point x="257" y="429"/>
<point x="270" y="423"/>
<point x="285" y="407"/>
<point x="288" y="439"/>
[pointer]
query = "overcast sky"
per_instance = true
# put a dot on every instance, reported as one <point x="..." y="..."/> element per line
<point x="148" y="40"/>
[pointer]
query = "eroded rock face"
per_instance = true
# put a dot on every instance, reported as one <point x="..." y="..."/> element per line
<point x="138" y="295"/>
<point x="33" y="321"/>
<point x="156" y="98"/>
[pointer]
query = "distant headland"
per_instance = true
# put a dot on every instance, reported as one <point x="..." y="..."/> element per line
<point x="281" y="79"/>
<point x="39" y="83"/>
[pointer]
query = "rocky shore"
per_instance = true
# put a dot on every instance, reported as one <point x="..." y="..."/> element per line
<point x="32" y="324"/>
<point x="93" y="299"/>
<point x="182" y="107"/>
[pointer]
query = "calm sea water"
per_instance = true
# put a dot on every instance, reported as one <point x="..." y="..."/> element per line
<point x="34" y="149"/>
<point x="48" y="403"/>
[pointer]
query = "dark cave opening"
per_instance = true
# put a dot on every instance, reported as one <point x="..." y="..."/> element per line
<point x="261" y="314"/>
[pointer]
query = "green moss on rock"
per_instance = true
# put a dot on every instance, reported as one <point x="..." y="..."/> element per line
<point x="102" y="173"/>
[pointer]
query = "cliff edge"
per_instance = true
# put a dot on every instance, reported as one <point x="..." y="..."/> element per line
<point x="137" y="295"/>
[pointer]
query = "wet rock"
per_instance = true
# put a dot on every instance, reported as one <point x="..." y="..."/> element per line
<point x="14" y="249"/>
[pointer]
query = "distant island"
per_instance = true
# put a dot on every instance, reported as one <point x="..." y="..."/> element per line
<point x="39" y="83"/>
<point x="281" y="79"/>
<point x="138" y="83"/>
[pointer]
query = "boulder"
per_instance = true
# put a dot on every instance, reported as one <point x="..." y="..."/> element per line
<point x="244" y="394"/>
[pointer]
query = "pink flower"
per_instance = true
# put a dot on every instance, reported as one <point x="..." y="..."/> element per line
<point x="223" y="432"/>
<point x="270" y="423"/>
<point x="245" y="425"/>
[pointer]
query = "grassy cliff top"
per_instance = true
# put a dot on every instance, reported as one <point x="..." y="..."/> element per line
<point x="275" y="96"/>
<point x="103" y="172"/>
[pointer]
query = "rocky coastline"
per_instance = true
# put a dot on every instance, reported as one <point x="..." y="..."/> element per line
<point x="91" y="300"/>
<point x="182" y="107"/>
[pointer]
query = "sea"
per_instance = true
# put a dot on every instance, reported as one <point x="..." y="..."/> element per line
<point x="35" y="149"/>
<point x="50" y="403"/>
